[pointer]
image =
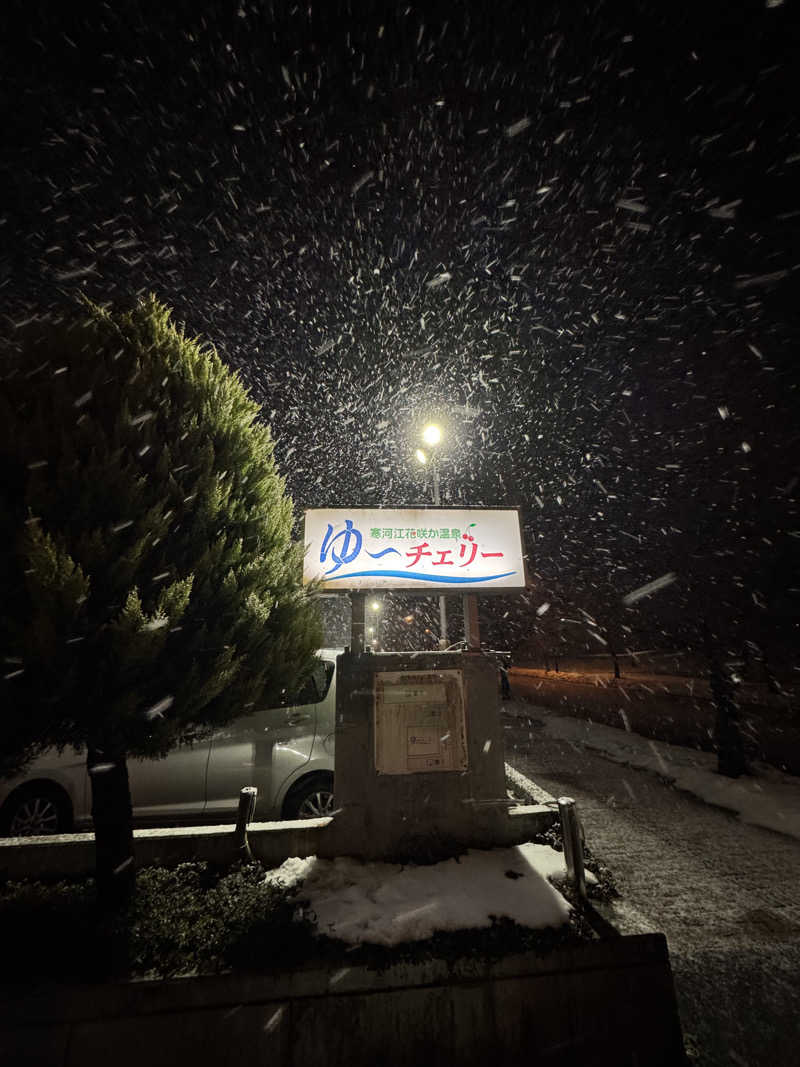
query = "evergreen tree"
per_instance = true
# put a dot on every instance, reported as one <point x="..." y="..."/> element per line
<point x="151" y="588"/>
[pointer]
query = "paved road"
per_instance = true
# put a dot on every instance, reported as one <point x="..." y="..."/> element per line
<point x="726" y="895"/>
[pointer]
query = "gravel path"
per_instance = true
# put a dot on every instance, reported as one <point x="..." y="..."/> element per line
<point x="724" y="893"/>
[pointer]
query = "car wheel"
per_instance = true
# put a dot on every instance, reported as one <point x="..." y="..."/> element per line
<point x="311" y="800"/>
<point x="36" y="810"/>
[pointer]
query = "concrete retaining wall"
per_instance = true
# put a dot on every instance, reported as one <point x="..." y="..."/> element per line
<point x="607" y="1002"/>
<point x="73" y="855"/>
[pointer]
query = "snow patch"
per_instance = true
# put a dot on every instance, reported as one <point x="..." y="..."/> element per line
<point x="387" y="904"/>
<point x="768" y="798"/>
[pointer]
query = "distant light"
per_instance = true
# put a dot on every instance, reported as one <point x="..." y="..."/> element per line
<point x="432" y="435"/>
<point x="376" y="605"/>
<point x="421" y="456"/>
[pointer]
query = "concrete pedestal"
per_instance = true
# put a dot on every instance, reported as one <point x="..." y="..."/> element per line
<point x="415" y="813"/>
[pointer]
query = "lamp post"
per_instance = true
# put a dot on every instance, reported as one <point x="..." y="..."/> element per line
<point x="432" y="436"/>
<point x="375" y="629"/>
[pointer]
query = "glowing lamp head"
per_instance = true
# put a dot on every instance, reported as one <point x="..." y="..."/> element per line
<point x="423" y="459"/>
<point x="432" y="435"/>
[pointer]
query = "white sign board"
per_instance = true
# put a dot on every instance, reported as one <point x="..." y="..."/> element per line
<point x="419" y="722"/>
<point x="414" y="549"/>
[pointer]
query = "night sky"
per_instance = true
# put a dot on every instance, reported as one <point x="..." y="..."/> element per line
<point x="569" y="232"/>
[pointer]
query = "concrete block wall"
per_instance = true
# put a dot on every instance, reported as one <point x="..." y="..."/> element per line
<point x="607" y="1002"/>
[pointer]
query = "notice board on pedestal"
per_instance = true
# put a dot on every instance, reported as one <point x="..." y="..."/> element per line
<point x="419" y="722"/>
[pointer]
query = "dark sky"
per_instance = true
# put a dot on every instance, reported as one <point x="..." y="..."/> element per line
<point x="568" y="231"/>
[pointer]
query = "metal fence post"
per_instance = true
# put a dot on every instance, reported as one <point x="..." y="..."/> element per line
<point x="247" y="809"/>
<point x="573" y="845"/>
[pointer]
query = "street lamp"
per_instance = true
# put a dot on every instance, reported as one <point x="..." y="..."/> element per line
<point x="375" y="629"/>
<point x="432" y="436"/>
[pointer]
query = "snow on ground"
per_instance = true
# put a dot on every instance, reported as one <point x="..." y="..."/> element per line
<point x="530" y="789"/>
<point x="387" y="904"/>
<point x="768" y="798"/>
<point x="724" y="893"/>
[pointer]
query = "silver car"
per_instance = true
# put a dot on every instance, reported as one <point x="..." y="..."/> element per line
<point x="286" y="752"/>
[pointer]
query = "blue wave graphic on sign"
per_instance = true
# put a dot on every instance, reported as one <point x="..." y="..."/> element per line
<point x="419" y="577"/>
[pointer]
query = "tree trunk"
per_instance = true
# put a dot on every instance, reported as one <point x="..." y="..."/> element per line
<point x="112" y="814"/>
<point x="728" y="739"/>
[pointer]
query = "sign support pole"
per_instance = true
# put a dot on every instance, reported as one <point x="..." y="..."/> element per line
<point x="471" y="628"/>
<point x="442" y="602"/>
<point x="357" y="625"/>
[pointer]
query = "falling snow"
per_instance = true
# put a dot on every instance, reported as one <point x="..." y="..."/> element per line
<point x="568" y="244"/>
<point x="569" y="236"/>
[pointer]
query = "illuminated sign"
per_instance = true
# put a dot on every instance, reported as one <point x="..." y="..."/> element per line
<point x="414" y="549"/>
